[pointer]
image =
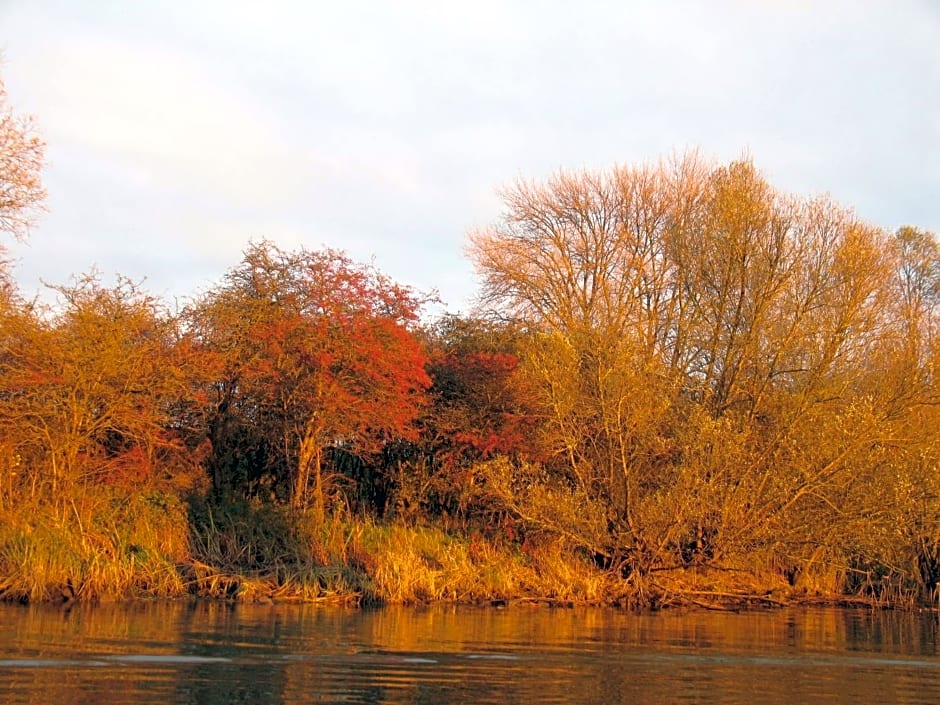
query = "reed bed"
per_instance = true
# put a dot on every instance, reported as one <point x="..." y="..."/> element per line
<point x="106" y="546"/>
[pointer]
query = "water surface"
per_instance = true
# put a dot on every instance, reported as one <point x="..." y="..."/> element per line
<point x="211" y="653"/>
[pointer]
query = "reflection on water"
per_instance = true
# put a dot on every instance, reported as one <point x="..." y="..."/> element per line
<point x="218" y="653"/>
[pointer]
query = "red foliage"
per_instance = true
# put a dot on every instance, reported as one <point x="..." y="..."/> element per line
<point x="478" y="409"/>
<point x="317" y="351"/>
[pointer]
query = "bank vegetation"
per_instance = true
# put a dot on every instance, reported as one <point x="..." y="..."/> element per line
<point x="681" y="386"/>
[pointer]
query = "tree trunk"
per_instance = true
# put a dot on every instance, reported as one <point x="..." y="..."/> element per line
<point x="309" y="462"/>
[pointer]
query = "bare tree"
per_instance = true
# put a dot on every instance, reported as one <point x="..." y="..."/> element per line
<point x="22" y="155"/>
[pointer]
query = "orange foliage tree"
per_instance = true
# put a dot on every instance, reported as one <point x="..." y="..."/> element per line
<point x="89" y="390"/>
<point x="718" y="363"/>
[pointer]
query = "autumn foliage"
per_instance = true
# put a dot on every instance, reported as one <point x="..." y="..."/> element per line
<point x="90" y="392"/>
<point x="731" y="378"/>
<point x="306" y="354"/>
<point x="680" y="382"/>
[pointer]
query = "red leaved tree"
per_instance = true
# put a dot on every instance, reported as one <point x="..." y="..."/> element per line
<point x="480" y="407"/>
<point x="311" y="352"/>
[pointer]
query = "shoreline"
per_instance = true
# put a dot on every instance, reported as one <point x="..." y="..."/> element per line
<point x="350" y="586"/>
<point x="123" y="547"/>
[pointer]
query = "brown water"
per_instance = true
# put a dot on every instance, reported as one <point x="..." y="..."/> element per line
<point x="216" y="653"/>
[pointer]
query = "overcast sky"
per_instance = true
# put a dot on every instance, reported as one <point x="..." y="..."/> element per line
<point x="179" y="130"/>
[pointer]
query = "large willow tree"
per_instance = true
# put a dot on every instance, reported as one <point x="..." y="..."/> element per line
<point x="727" y="371"/>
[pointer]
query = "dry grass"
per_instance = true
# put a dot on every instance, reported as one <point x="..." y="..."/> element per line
<point x="95" y="547"/>
<point x="109" y="546"/>
<point x="421" y="564"/>
<point x="262" y="553"/>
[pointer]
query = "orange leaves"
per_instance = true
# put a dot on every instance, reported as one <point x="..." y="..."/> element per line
<point x="90" y="389"/>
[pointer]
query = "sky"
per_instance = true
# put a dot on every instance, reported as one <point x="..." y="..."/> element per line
<point x="179" y="131"/>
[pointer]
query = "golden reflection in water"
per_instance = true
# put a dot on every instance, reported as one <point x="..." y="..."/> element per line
<point x="220" y="653"/>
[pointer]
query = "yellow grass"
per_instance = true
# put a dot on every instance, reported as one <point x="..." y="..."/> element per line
<point x="103" y="545"/>
<point x="93" y="547"/>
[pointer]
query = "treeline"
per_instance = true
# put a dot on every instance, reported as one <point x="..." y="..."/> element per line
<point x="680" y="384"/>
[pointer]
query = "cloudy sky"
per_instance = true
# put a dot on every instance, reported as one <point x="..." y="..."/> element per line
<point x="180" y="130"/>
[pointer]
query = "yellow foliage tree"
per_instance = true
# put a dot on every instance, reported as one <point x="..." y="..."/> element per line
<point x="719" y="363"/>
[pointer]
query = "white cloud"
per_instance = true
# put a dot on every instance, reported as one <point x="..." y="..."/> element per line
<point x="148" y="109"/>
<point x="178" y="131"/>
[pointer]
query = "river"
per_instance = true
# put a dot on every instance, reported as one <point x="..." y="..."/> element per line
<point x="216" y="653"/>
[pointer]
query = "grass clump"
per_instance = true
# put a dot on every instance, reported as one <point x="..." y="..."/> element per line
<point x="261" y="553"/>
<point x="97" y="546"/>
<point x="417" y="564"/>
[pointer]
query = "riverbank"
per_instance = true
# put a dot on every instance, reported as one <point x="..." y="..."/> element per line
<point x="119" y="546"/>
<point x="122" y="547"/>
